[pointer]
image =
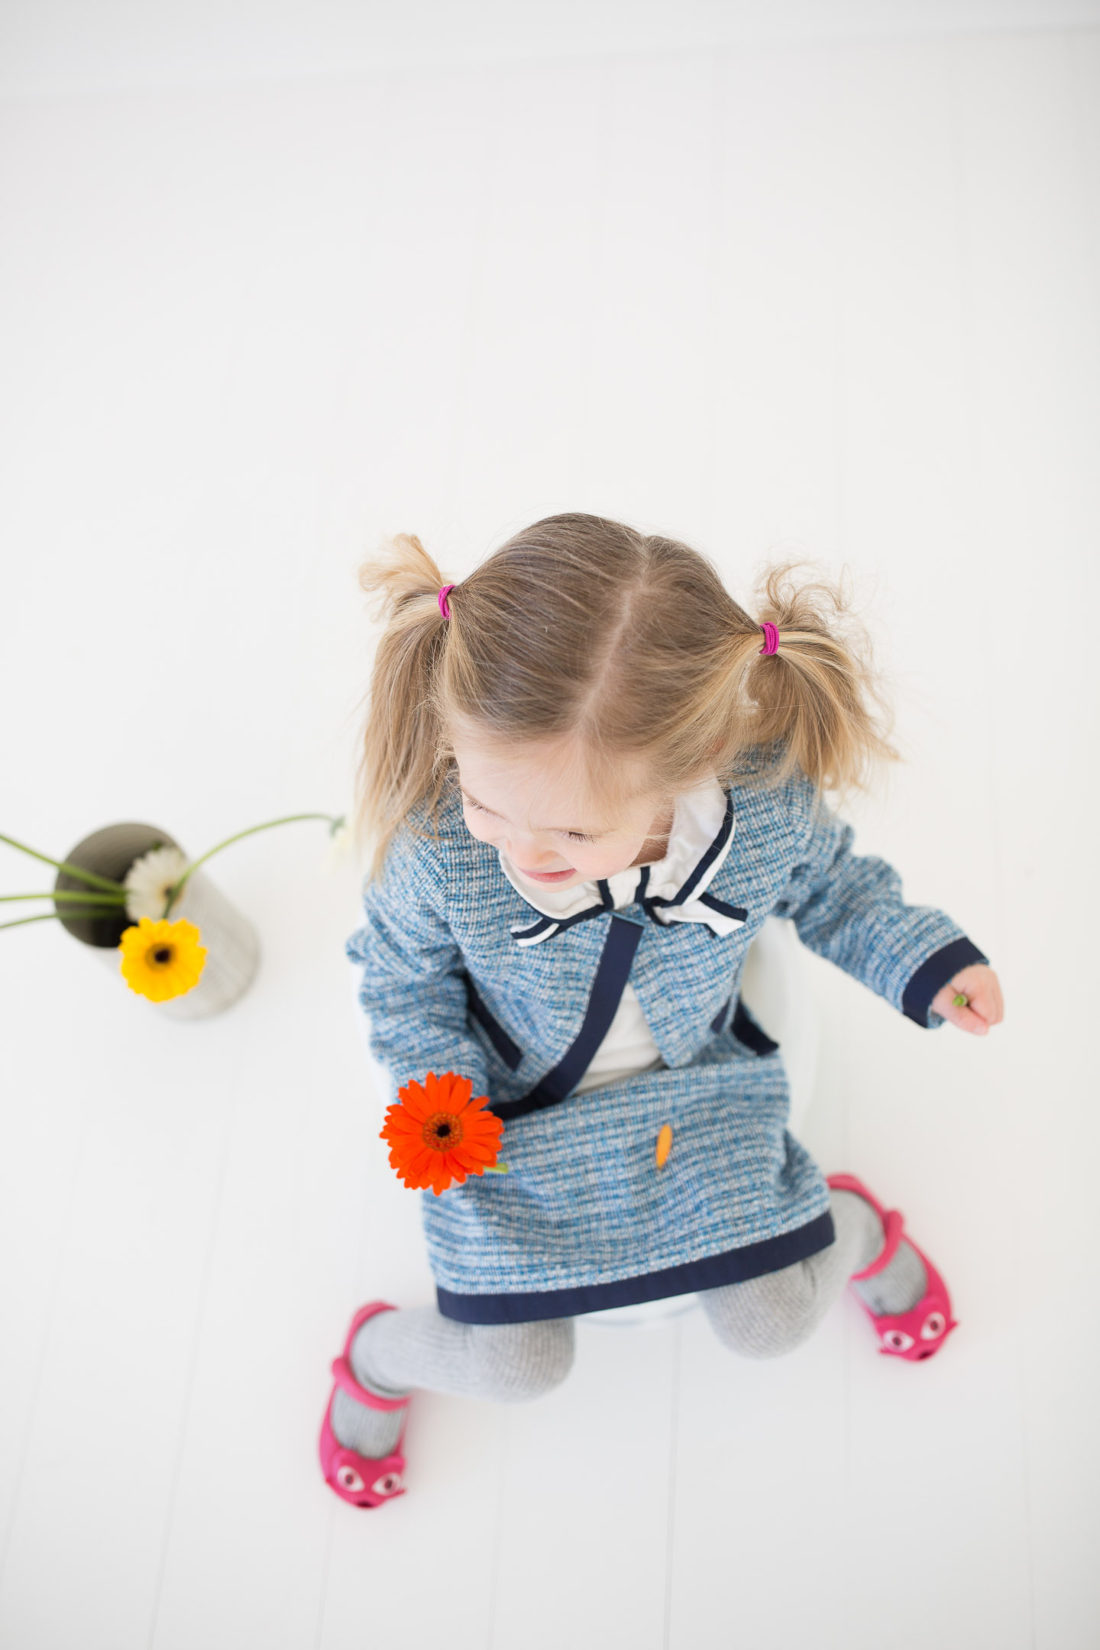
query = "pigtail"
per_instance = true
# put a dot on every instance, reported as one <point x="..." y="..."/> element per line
<point x="817" y="699"/>
<point x="402" y="759"/>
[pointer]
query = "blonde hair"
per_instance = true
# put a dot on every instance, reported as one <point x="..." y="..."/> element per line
<point x="582" y="628"/>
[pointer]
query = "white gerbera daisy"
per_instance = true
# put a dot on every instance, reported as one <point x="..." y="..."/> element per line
<point x="149" y="881"/>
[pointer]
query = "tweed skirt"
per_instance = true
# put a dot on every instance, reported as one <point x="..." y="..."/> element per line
<point x="586" y="1219"/>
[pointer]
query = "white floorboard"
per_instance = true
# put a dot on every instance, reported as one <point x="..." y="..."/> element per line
<point x="832" y="295"/>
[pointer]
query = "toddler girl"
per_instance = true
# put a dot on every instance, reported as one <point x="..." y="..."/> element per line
<point x="589" y="776"/>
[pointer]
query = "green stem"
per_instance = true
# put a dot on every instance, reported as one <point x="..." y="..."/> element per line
<point x="177" y="889"/>
<point x="64" y="865"/>
<point x="47" y="916"/>
<point x="72" y="894"/>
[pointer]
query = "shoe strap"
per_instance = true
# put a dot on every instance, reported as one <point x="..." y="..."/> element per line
<point x="893" y="1224"/>
<point x="345" y="1377"/>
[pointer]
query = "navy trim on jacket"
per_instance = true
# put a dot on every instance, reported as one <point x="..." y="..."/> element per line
<point x="623" y="936"/>
<point x="747" y="1031"/>
<point x="612" y="972"/>
<point x="509" y="1051"/>
<point x="934" y="973"/>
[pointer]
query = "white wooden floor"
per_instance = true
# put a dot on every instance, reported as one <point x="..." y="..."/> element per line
<point x="833" y="294"/>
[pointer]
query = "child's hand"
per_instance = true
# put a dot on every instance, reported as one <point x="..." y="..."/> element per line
<point x="984" y="1006"/>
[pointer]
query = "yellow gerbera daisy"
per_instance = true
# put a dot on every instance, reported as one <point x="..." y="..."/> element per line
<point x="162" y="958"/>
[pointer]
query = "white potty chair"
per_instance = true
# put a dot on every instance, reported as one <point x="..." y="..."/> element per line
<point x="779" y="996"/>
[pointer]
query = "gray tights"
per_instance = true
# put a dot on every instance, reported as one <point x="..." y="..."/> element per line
<point x="760" y="1318"/>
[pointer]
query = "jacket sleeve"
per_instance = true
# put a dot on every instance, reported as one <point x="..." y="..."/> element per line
<point x="849" y="908"/>
<point x="412" y="983"/>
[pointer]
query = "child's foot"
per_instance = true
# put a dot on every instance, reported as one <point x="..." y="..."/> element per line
<point x="906" y="1299"/>
<point x="360" y="1443"/>
<point x="901" y="1283"/>
<point x="370" y="1432"/>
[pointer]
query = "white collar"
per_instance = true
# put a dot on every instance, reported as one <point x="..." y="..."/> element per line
<point x="699" y="840"/>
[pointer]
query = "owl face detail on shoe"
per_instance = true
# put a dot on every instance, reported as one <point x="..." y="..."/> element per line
<point x="349" y="1483"/>
<point x="910" y="1336"/>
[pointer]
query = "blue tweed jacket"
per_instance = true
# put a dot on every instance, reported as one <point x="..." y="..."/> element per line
<point x="452" y="981"/>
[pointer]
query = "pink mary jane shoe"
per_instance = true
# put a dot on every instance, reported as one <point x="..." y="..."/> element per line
<point x="922" y="1330"/>
<point x="355" y="1478"/>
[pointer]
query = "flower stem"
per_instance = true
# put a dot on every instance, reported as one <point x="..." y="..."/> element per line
<point x="46" y="916"/>
<point x="64" y="865"/>
<point x="87" y="898"/>
<point x="177" y="888"/>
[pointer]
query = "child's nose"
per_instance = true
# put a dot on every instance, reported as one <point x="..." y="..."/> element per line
<point x="526" y="852"/>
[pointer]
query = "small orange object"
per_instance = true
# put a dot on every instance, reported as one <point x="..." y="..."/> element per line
<point x="440" y="1134"/>
<point x="664" y="1145"/>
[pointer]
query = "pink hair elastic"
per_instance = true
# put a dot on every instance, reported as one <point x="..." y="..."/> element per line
<point x="771" y="639"/>
<point x="442" y="598"/>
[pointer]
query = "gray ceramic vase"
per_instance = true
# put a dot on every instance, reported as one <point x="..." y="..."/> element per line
<point x="232" y="943"/>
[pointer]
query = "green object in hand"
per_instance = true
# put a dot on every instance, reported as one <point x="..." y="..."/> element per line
<point x="961" y="1000"/>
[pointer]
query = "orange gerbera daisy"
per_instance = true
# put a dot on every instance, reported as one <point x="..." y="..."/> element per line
<point x="439" y="1134"/>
